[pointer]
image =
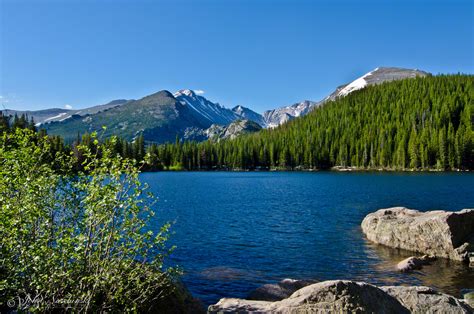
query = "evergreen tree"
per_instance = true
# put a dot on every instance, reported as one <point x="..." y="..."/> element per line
<point x="415" y="123"/>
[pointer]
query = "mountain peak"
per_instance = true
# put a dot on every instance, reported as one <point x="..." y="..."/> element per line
<point x="238" y="109"/>
<point x="162" y="93"/>
<point x="245" y="113"/>
<point x="203" y="109"/>
<point x="185" y="92"/>
<point x="378" y="76"/>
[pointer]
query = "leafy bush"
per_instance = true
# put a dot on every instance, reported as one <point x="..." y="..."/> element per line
<point x="77" y="240"/>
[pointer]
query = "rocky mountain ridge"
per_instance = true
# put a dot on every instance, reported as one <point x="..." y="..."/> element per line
<point x="188" y="115"/>
<point x="379" y="75"/>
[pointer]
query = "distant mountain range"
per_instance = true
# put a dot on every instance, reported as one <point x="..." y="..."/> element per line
<point x="59" y="114"/>
<point x="163" y="116"/>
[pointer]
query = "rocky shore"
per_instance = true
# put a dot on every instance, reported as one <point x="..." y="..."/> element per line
<point x="435" y="234"/>
<point x="344" y="296"/>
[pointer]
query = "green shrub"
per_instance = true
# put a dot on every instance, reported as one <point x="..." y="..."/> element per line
<point x="77" y="240"/>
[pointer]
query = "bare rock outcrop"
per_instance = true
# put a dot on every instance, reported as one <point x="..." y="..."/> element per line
<point x="438" y="233"/>
<point x="278" y="291"/>
<point x="328" y="296"/>
<point x="344" y="296"/>
<point x="426" y="300"/>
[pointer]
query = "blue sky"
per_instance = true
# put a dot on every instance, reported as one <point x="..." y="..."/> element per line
<point x="261" y="54"/>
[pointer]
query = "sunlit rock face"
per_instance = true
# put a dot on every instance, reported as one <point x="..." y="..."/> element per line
<point x="344" y="296"/>
<point x="438" y="233"/>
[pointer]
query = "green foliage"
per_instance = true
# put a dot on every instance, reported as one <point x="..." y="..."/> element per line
<point x="77" y="235"/>
<point x="420" y="123"/>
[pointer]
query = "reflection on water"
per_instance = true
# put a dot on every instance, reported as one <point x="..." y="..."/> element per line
<point x="442" y="274"/>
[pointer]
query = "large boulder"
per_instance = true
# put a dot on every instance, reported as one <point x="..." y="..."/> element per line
<point x="438" y="233"/>
<point x="343" y="296"/>
<point x="426" y="300"/>
<point x="278" y="291"/>
<point x="328" y="296"/>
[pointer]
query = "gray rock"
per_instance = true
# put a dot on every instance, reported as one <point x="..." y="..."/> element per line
<point x="412" y="263"/>
<point x="426" y="300"/>
<point x="438" y="233"/>
<point x="221" y="132"/>
<point x="343" y="296"/>
<point x="339" y="296"/>
<point x="282" y="115"/>
<point x="279" y="291"/>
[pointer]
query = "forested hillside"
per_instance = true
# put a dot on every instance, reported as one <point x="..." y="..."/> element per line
<point x="419" y="123"/>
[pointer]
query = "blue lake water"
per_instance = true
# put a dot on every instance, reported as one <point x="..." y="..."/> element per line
<point x="235" y="231"/>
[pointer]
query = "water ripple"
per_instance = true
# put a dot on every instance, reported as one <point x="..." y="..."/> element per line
<point x="237" y="231"/>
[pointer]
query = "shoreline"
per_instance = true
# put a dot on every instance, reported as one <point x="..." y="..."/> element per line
<point x="326" y="170"/>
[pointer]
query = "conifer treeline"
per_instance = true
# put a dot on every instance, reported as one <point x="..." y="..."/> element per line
<point x="14" y="122"/>
<point x="421" y="123"/>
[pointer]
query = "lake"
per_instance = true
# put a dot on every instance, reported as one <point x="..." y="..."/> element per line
<point x="236" y="231"/>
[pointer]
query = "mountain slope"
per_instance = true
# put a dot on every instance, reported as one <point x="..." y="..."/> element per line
<point x="379" y="75"/>
<point x="273" y="118"/>
<point x="419" y="123"/>
<point x="217" y="132"/>
<point x="231" y="131"/>
<point x="248" y="114"/>
<point x="204" y="110"/>
<point x="59" y="114"/>
<point x="213" y="113"/>
<point x="40" y="116"/>
<point x="160" y="117"/>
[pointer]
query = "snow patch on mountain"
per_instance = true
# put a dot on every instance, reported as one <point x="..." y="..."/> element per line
<point x="213" y="113"/>
<point x="355" y="85"/>
<point x="379" y="75"/>
<point x="62" y="114"/>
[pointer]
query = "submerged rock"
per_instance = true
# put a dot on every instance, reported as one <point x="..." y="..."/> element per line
<point x="412" y="263"/>
<point x="438" y="233"/>
<point x="279" y="291"/>
<point x="343" y="296"/>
